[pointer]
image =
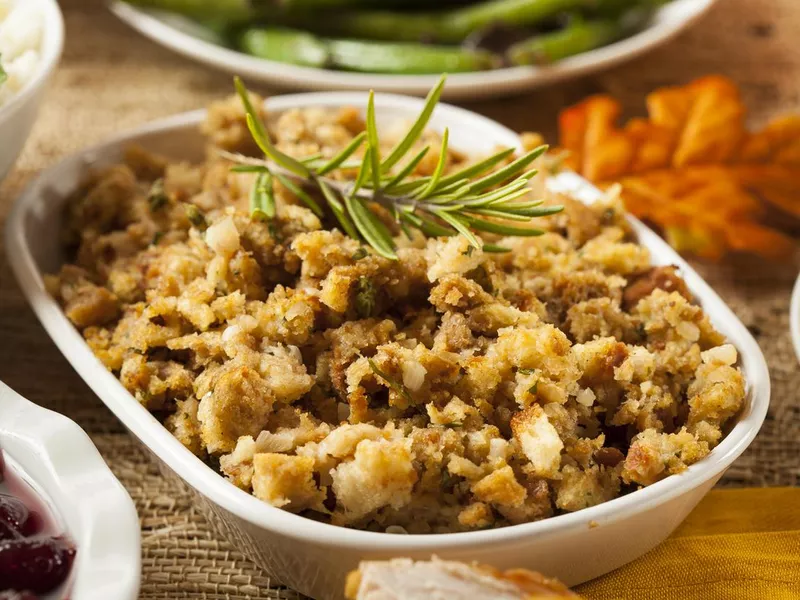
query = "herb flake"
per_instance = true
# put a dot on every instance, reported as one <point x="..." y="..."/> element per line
<point x="394" y="385"/>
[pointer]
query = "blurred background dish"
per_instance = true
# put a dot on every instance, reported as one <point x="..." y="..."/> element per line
<point x="31" y="40"/>
<point x="560" y="39"/>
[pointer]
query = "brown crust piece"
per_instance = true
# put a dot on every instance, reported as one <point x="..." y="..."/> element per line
<point x="657" y="278"/>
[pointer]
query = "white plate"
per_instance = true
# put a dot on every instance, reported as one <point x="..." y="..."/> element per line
<point x="313" y="557"/>
<point x="184" y="36"/>
<point x="60" y="462"/>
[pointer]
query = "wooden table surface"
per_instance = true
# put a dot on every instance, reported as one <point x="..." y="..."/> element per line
<point x="112" y="79"/>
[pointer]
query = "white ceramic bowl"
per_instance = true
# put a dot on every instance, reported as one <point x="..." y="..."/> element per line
<point x="18" y="114"/>
<point x="313" y="557"/>
<point x="184" y="36"/>
<point x="60" y="462"/>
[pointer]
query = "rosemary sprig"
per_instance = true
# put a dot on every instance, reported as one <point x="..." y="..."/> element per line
<point x="478" y="198"/>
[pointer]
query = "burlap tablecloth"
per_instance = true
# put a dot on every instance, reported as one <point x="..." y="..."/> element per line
<point x="111" y="79"/>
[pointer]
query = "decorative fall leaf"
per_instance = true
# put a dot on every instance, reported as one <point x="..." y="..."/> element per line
<point x="692" y="168"/>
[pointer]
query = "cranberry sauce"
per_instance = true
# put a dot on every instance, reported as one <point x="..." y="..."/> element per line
<point x="34" y="558"/>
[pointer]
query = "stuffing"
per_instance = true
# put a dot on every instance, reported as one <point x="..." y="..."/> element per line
<point x="452" y="389"/>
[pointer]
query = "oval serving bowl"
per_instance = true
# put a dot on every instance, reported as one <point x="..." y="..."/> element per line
<point x="186" y="37"/>
<point x="58" y="460"/>
<point x="314" y="557"/>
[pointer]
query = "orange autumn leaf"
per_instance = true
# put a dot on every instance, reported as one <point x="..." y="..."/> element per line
<point x="692" y="167"/>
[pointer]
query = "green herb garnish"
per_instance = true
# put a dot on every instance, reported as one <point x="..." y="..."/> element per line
<point x="195" y="217"/>
<point x="360" y="253"/>
<point x="365" y="298"/>
<point x="157" y="197"/>
<point x="472" y="200"/>
<point x="262" y="198"/>
<point x="395" y="385"/>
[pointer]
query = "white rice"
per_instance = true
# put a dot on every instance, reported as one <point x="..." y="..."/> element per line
<point x="21" y="28"/>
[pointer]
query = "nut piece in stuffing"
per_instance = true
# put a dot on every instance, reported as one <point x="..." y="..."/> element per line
<point x="404" y="578"/>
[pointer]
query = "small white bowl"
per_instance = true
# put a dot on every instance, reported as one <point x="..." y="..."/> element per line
<point x="18" y="114"/>
<point x="314" y="557"/>
<point x="62" y="465"/>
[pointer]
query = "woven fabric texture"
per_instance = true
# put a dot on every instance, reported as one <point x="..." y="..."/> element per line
<point x="112" y="79"/>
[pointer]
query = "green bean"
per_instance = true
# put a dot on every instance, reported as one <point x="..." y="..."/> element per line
<point x="450" y="26"/>
<point x="285" y="45"/>
<point x="580" y="36"/>
<point x="407" y="58"/>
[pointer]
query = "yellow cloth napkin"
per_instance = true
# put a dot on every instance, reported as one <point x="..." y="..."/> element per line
<point x="737" y="544"/>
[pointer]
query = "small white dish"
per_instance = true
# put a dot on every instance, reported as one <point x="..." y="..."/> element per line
<point x="18" y="114"/>
<point x="314" y="557"/>
<point x="185" y="37"/>
<point x="794" y="317"/>
<point x="62" y="465"/>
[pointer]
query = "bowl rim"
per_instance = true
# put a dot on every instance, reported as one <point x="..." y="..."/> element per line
<point x="50" y="55"/>
<point x="67" y="465"/>
<point x="677" y="16"/>
<point x="246" y="506"/>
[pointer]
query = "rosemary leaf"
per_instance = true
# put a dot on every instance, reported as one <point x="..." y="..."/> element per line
<point x="312" y="158"/>
<point x="498" y="214"/>
<point x="338" y="210"/>
<point x="374" y="144"/>
<point x="261" y="137"/>
<point x="404" y="145"/>
<point x="542" y="211"/>
<point x="501" y="229"/>
<point x="408" y="187"/>
<point x="479" y="167"/>
<point x="459" y="225"/>
<point x="508" y="171"/>
<point x="361" y="178"/>
<point x="250" y="169"/>
<point x="262" y="198"/>
<point x="433" y="229"/>
<point x="406" y="170"/>
<point x="495" y="249"/>
<point x="348" y="151"/>
<point x="301" y="193"/>
<point x="370" y="227"/>
<point x="437" y="172"/>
